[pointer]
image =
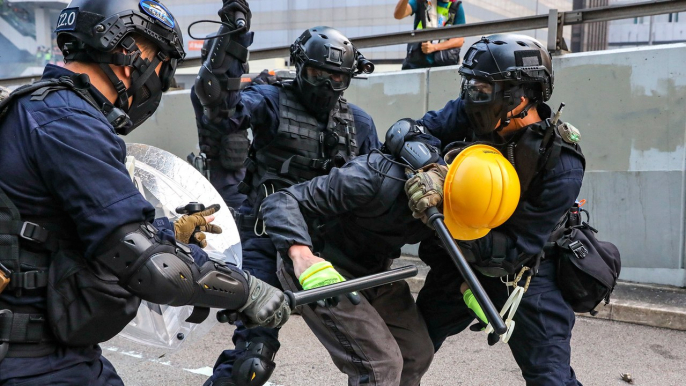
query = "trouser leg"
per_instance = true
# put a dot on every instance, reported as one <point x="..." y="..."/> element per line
<point x="381" y="341"/>
<point x="540" y="342"/>
<point x="541" y="339"/>
<point x="441" y="304"/>
<point x="396" y="306"/>
<point x="98" y="372"/>
<point x="259" y="258"/>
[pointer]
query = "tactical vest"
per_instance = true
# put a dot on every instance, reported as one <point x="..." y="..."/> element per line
<point x="533" y="151"/>
<point x="300" y="150"/>
<point x="536" y="150"/>
<point x="26" y="246"/>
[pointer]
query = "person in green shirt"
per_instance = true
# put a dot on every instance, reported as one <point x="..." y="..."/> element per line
<point x="432" y="14"/>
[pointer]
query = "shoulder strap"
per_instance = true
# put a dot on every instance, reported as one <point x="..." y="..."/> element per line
<point x="421" y="11"/>
<point x="452" y="12"/>
<point x="40" y="89"/>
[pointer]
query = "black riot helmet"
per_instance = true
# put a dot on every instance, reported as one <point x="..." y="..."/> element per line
<point x="496" y="72"/>
<point x="325" y="62"/>
<point x="96" y="31"/>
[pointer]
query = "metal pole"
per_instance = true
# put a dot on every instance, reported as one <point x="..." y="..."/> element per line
<point x="650" y="31"/>
<point x="436" y="220"/>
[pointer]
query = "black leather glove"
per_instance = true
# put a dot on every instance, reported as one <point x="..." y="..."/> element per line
<point x="266" y="306"/>
<point x="229" y="9"/>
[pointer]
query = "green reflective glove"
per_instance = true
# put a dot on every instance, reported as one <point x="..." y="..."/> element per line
<point x="322" y="274"/>
<point x="474" y="306"/>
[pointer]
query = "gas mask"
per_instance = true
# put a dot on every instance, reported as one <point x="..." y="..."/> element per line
<point x="486" y="103"/>
<point x="320" y="89"/>
<point x="146" y="88"/>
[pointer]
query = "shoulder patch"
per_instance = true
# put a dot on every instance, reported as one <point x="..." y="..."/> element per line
<point x="158" y="11"/>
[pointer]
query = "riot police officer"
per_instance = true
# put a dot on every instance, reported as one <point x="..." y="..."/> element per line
<point x="78" y="251"/>
<point x="301" y="129"/>
<point x="506" y="80"/>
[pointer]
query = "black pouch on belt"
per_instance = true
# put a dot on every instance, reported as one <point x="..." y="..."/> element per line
<point x="86" y="304"/>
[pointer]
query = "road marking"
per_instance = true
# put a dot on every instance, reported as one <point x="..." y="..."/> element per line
<point x="205" y="371"/>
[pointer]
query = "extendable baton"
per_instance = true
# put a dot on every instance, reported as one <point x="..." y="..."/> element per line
<point x="314" y="295"/>
<point x="362" y="283"/>
<point x="436" y="221"/>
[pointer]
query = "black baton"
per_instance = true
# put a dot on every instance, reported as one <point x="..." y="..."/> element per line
<point x="320" y="293"/>
<point x="436" y="221"/>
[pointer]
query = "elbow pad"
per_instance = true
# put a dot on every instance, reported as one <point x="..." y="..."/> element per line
<point x="213" y="85"/>
<point x="165" y="273"/>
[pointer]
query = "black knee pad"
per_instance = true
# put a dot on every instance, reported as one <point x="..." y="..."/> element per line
<point x="256" y="365"/>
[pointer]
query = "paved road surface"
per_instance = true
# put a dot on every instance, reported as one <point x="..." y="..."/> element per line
<point x="602" y="350"/>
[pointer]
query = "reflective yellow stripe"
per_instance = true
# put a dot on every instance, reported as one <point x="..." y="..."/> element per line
<point x="315" y="271"/>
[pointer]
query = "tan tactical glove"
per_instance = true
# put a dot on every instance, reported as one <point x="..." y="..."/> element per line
<point x="425" y="190"/>
<point x="190" y="228"/>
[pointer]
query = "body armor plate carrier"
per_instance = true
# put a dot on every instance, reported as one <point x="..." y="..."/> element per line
<point x="299" y="151"/>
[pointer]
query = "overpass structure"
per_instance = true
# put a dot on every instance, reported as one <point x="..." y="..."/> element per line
<point x="628" y="104"/>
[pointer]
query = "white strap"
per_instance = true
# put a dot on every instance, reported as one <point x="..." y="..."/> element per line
<point x="263" y="232"/>
<point x="512" y="304"/>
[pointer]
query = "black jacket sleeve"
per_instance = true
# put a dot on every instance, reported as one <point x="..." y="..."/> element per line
<point x="341" y="191"/>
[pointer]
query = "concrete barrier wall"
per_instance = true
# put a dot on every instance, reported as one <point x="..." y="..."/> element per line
<point x="629" y="106"/>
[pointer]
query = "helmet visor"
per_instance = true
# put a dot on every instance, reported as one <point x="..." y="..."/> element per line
<point x="477" y="91"/>
<point x="315" y="76"/>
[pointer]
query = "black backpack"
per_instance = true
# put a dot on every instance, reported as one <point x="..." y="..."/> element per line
<point x="587" y="269"/>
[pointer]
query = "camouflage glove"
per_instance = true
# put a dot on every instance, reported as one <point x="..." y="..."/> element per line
<point x="425" y="190"/>
<point x="190" y="228"/>
<point x="266" y="306"/>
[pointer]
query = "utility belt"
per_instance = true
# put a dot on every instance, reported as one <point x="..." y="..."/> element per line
<point x="24" y="332"/>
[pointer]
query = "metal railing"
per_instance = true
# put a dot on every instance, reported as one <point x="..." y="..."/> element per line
<point x="554" y="21"/>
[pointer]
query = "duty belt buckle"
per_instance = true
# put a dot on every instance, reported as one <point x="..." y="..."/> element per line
<point x="578" y="249"/>
<point x="27" y="233"/>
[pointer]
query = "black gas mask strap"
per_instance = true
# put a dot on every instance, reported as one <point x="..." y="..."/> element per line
<point x="138" y="83"/>
<point x="122" y="95"/>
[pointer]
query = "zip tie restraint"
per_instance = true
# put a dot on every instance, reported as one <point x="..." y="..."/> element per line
<point x="263" y="232"/>
<point x="512" y="303"/>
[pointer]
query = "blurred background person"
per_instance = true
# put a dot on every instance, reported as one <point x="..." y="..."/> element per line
<point x="432" y="14"/>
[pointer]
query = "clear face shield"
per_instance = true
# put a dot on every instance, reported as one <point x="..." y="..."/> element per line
<point x="483" y="104"/>
<point x="338" y="81"/>
<point x="477" y="91"/>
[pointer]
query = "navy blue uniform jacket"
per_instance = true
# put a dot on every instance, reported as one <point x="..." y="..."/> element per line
<point x="535" y="217"/>
<point x="62" y="161"/>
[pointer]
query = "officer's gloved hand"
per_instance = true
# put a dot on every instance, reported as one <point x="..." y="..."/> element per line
<point x="190" y="228"/>
<point x="266" y="306"/>
<point x="321" y="274"/>
<point x="425" y="190"/>
<point x="262" y="78"/>
<point x="229" y="9"/>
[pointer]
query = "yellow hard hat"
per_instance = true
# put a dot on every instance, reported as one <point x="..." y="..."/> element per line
<point x="481" y="192"/>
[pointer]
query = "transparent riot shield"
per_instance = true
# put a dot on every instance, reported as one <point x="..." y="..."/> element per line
<point x="168" y="182"/>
